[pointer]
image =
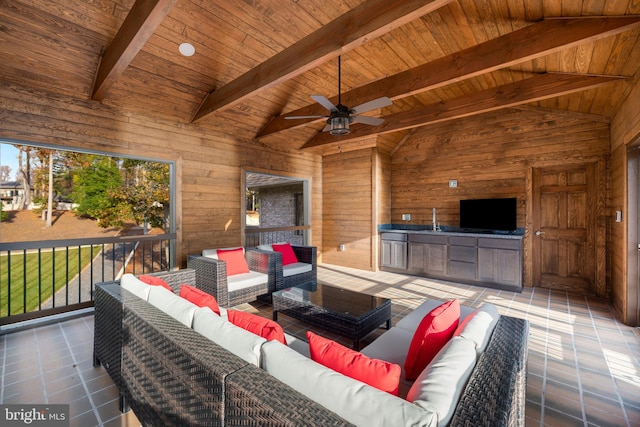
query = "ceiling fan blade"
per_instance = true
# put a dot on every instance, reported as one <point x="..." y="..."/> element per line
<point x="373" y="121"/>
<point x="327" y="128"/>
<point x="305" y="117"/>
<point x="322" y="100"/>
<point x="372" y="105"/>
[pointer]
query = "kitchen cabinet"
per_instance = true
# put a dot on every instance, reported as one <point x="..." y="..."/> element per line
<point x="393" y="251"/>
<point x="474" y="258"/>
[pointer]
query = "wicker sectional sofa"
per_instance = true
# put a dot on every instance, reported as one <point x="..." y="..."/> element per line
<point x="171" y="374"/>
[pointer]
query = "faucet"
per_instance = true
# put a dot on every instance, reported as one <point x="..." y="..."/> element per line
<point x="436" y="227"/>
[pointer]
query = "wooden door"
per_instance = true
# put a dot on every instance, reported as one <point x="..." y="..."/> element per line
<point x="564" y="223"/>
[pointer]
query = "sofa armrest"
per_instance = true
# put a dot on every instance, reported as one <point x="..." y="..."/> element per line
<point x="268" y="262"/>
<point x="496" y="392"/>
<point x="211" y="277"/>
<point x="307" y="254"/>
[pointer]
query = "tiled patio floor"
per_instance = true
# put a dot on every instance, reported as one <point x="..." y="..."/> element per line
<point x="583" y="369"/>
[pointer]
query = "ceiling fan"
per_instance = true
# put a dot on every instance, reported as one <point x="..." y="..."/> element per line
<point x="341" y="116"/>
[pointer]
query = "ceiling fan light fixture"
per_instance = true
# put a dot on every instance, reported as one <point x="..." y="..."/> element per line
<point x="339" y="125"/>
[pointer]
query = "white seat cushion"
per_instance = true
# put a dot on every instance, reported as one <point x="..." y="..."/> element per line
<point x="246" y="280"/>
<point x="238" y="341"/>
<point x="356" y="402"/>
<point x="440" y="385"/>
<point x="392" y="346"/>
<point x="176" y="307"/>
<point x="295" y="268"/>
<point x="136" y="286"/>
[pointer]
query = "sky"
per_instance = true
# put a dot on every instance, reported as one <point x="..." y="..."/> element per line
<point x="9" y="157"/>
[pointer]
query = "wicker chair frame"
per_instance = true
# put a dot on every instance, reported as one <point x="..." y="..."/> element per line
<point x="211" y="277"/>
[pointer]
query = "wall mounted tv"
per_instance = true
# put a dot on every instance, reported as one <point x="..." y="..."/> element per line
<point x="488" y="214"/>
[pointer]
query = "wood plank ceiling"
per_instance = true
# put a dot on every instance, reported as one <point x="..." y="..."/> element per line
<point x="258" y="61"/>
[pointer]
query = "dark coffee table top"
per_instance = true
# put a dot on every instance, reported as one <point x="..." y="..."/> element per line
<point x="333" y="299"/>
<point x="348" y="313"/>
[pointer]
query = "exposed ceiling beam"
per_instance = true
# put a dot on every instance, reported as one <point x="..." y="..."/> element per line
<point x="533" y="41"/>
<point x="536" y="88"/>
<point x="142" y="20"/>
<point x="369" y="20"/>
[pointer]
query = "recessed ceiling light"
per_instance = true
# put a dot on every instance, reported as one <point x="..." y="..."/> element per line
<point x="187" y="49"/>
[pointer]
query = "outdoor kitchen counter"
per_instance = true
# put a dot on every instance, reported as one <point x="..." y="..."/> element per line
<point x="486" y="259"/>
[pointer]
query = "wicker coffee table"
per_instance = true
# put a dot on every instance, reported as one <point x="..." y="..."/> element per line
<point x="348" y="313"/>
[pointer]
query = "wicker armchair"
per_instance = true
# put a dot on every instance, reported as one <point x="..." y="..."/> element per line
<point x="211" y="277"/>
<point x="304" y="254"/>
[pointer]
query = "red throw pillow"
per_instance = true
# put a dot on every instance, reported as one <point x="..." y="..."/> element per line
<point x="155" y="281"/>
<point x="258" y="325"/>
<point x="435" y="329"/>
<point x="288" y="256"/>
<point x="236" y="263"/>
<point x="199" y="298"/>
<point x="377" y="373"/>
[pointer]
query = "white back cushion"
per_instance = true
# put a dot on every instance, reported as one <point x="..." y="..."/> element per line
<point x="238" y="341"/>
<point x="213" y="253"/>
<point x="479" y="325"/>
<point x="353" y="400"/>
<point x="135" y="286"/>
<point x="176" y="307"/>
<point x="439" y="387"/>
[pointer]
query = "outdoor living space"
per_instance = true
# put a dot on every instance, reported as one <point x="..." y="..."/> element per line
<point x="583" y="366"/>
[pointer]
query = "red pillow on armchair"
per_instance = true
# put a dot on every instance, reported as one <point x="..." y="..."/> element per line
<point x="288" y="256"/>
<point x="236" y="262"/>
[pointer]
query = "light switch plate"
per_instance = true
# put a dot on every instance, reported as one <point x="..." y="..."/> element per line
<point x="406" y="217"/>
<point x="453" y="183"/>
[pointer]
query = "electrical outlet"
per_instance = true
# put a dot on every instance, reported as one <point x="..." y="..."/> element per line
<point x="453" y="183"/>
<point x="406" y="217"/>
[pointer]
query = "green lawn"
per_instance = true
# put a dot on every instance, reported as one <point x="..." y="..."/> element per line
<point x="39" y="285"/>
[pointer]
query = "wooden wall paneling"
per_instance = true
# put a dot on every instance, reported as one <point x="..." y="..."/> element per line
<point x="208" y="163"/>
<point x="490" y="156"/>
<point x="347" y="190"/>
<point x="617" y="231"/>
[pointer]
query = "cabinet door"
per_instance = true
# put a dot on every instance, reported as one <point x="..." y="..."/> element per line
<point x="436" y="259"/>
<point x="393" y="254"/>
<point x="427" y="258"/>
<point x="500" y="266"/>
<point x="417" y="257"/>
<point x="385" y="253"/>
<point x="399" y="255"/>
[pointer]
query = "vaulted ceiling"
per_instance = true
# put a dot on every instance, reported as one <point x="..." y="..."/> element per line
<point x="257" y="61"/>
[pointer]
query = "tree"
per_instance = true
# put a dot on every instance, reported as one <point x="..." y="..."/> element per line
<point x="96" y="192"/>
<point x="5" y="173"/>
<point x="24" y="173"/>
<point x="146" y="191"/>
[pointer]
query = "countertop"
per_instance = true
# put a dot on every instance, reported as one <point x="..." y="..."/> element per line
<point x="448" y="231"/>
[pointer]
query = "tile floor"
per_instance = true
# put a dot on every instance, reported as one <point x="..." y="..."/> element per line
<point x="583" y="367"/>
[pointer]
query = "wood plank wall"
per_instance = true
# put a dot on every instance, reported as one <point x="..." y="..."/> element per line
<point x="490" y="156"/>
<point x="208" y="163"/>
<point x="348" y="217"/>
<point x="625" y="131"/>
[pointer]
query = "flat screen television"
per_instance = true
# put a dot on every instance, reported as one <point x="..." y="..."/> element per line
<point x="488" y="214"/>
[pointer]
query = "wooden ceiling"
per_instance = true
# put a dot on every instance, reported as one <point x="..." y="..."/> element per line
<point x="257" y="61"/>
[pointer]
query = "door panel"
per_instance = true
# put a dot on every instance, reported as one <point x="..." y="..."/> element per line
<point x="564" y="212"/>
